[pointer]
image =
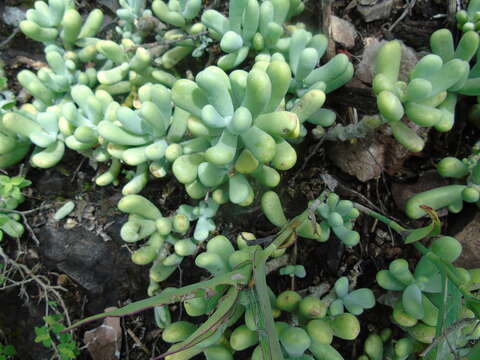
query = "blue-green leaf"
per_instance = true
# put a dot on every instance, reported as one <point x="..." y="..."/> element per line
<point x="412" y="301"/>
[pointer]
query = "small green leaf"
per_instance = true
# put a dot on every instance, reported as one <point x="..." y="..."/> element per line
<point x="412" y="301"/>
<point x="360" y="297"/>
<point x="341" y="286"/>
<point x="300" y="271"/>
<point x="9" y="350"/>
<point x="43" y="336"/>
<point x="162" y="316"/>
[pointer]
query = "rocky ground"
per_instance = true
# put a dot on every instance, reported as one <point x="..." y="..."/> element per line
<point x="85" y="255"/>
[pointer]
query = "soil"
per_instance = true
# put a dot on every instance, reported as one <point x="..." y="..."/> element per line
<point x="87" y="257"/>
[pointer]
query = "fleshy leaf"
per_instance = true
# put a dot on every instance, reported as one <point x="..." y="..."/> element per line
<point x="412" y="301"/>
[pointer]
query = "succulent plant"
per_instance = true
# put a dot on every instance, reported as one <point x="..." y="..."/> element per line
<point x="378" y="346"/>
<point x="222" y="134"/>
<point x="429" y="98"/>
<point x="238" y="130"/>
<point x="178" y="13"/>
<point x="42" y="129"/>
<point x="414" y="304"/>
<point x="10" y="197"/>
<point x="465" y="171"/>
<point x="249" y="25"/>
<point x="134" y="20"/>
<point x="58" y="22"/>
<point x="336" y="215"/>
<point x="468" y="20"/>
<point x="417" y="307"/>
<point x="293" y="271"/>
<point x="309" y="93"/>
<point x="168" y="242"/>
<point x="353" y="301"/>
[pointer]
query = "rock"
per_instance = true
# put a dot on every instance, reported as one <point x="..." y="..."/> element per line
<point x="363" y="159"/>
<point x="343" y="32"/>
<point x="375" y="10"/>
<point x="103" y="269"/>
<point x="367" y="157"/>
<point x="105" y="342"/>
<point x="366" y="67"/>
<point x="428" y="180"/>
<point x="13" y="15"/>
<point x="468" y="237"/>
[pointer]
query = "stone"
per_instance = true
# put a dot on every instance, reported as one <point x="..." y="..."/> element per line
<point x="102" y="268"/>
<point x="366" y="158"/>
<point x="13" y="15"/>
<point x="343" y="32"/>
<point x="468" y="237"/>
<point x="105" y="341"/>
<point x="377" y="11"/>
<point x="366" y="68"/>
<point x="363" y="159"/>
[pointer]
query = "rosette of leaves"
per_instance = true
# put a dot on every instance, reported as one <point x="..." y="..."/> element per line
<point x="307" y="102"/>
<point x="127" y="67"/>
<point x="428" y="99"/>
<point x="166" y="245"/>
<point x="443" y="45"/>
<point x="413" y="304"/>
<point x="303" y="51"/>
<point x="58" y="22"/>
<point x="186" y="35"/>
<point x="51" y="84"/>
<point x="316" y="326"/>
<point x="466" y="174"/>
<point x="468" y="20"/>
<point x="226" y="298"/>
<point x="10" y="197"/>
<point x="69" y="43"/>
<point x="355" y="302"/>
<point x="81" y="116"/>
<point x="336" y="215"/>
<point x="235" y="120"/>
<point x="144" y="137"/>
<point x="203" y="213"/>
<point x="339" y="216"/>
<point x="310" y="83"/>
<point x="42" y="129"/>
<point x="135" y="21"/>
<point x="249" y="25"/>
